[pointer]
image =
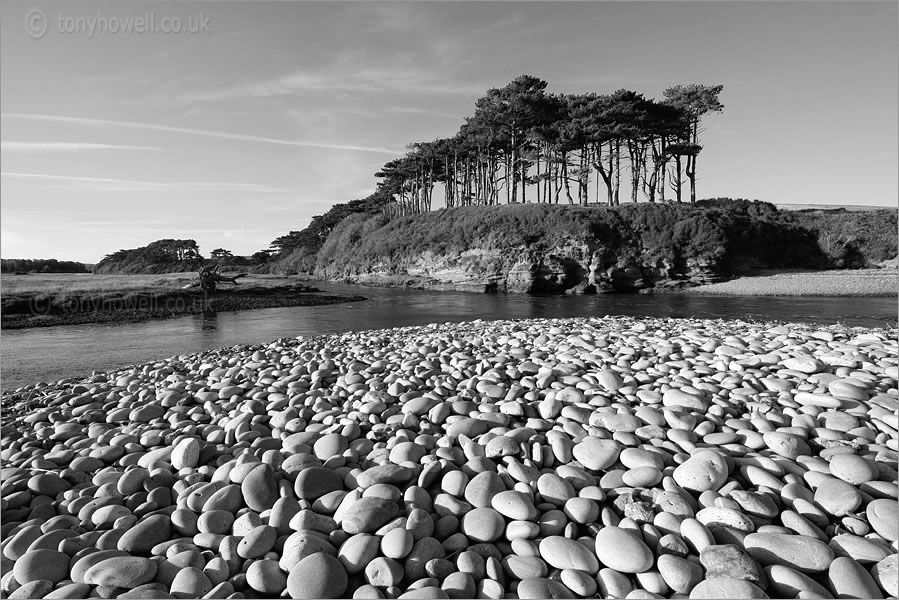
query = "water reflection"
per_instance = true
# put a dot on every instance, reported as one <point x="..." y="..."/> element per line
<point x="209" y="320"/>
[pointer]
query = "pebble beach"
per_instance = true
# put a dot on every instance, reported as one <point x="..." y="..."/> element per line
<point x="555" y="458"/>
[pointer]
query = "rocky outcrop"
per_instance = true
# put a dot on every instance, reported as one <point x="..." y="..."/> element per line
<point x="570" y="268"/>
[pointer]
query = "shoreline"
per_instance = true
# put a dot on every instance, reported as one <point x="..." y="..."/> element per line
<point x="613" y="321"/>
<point x="882" y="282"/>
<point x="34" y="310"/>
<point x="586" y="428"/>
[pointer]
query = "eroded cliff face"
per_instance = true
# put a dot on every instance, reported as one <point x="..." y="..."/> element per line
<point x="570" y="267"/>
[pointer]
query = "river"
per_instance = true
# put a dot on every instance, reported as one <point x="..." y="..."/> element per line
<point x="52" y="353"/>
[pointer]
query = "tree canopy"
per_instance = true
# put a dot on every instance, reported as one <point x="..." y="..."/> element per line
<point x="523" y="139"/>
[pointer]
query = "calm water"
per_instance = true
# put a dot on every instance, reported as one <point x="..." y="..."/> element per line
<point x="49" y="354"/>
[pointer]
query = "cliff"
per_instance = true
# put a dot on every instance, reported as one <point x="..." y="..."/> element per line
<point x="572" y="249"/>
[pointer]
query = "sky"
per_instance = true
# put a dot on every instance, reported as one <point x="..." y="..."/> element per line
<point x="258" y="115"/>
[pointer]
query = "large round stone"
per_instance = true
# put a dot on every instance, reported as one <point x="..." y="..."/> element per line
<point x="41" y="564"/>
<point x="725" y="588"/>
<point x="121" y="571"/>
<point x="317" y="576"/>
<point x="596" y="453"/>
<point x="259" y="488"/>
<point x="883" y="515"/>
<point x="314" y="482"/>
<point x="705" y="470"/>
<point x="391" y="474"/>
<point x="266" y="577"/>
<point x="786" y="444"/>
<point x="565" y="553"/>
<point x="367" y="515"/>
<point x="837" y="497"/>
<point x="482" y="488"/>
<point x="622" y="550"/>
<point x="853" y="469"/>
<point x="540" y="587"/>
<point x="483" y="525"/>
<point x="148" y="532"/>
<point x="846" y="578"/>
<point x="800" y="552"/>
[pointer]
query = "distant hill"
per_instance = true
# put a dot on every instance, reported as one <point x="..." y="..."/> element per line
<point x="830" y="207"/>
<point x="41" y="265"/>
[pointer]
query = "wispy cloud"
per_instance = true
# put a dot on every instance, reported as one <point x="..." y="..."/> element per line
<point x="199" y="132"/>
<point x="125" y="185"/>
<point x="351" y="73"/>
<point x="67" y="147"/>
<point x="394" y="16"/>
<point x="429" y="112"/>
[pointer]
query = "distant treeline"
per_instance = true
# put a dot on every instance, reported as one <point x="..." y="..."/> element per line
<point x="41" y="265"/>
<point x="161" y="256"/>
<point x="174" y="256"/>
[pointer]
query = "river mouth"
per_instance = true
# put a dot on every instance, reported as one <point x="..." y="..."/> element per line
<point x="53" y="353"/>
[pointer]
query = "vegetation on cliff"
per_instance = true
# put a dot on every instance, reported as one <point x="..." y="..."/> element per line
<point x="852" y="239"/>
<point x="296" y="251"/>
<point x="562" y="247"/>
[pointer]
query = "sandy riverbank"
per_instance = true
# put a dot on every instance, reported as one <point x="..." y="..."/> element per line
<point x="861" y="282"/>
<point x="624" y="457"/>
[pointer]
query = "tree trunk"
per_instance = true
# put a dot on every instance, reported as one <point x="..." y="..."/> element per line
<point x="617" y="172"/>
<point x="604" y="173"/>
<point x="662" y="173"/>
<point x="565" y="180"/>
<point x="524" y="177"/>
<point x="557" y="178"/>
<point x="691" y="162"/>
<point x="508" y="182"/>
<point x="636" y="168"/>
<point x="678" y="182"/>
<point x="691" y="175"/>
<point x="585" y="177"/>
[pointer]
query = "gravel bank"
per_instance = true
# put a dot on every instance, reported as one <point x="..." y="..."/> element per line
<point x="863" y="282"/>
<point x="638" y="458"/>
